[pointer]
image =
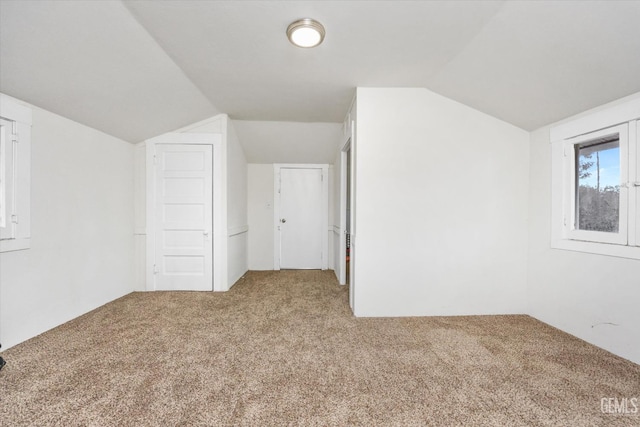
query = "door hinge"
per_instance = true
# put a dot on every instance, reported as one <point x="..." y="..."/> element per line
<point x="14" y="219"/>
<point x="155" y="159"/>
<point x="155" y="269"/>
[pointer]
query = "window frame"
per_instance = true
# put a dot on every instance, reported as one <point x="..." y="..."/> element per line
<point x="16" y="233"/>
<point x="570" y="218"/>
<point x="623" y="117"/>
<point x="634" y="189"/>
<point x="3" y="175"/>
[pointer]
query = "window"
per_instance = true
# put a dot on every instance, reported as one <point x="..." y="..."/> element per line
<point x="596" y="165"/>
<point x="597" y="185"/>
<point x="5" y="186"/>
<point x="15" y="147"/>
<point x="596" y="208"/>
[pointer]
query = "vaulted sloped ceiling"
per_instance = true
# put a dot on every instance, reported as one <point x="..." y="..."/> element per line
<point x="237" y="53"/>
<point x="92" y="62"/>
<point x="138" y="68"/>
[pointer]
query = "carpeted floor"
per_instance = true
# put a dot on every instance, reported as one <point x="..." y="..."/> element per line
<point x="282" y="348"/>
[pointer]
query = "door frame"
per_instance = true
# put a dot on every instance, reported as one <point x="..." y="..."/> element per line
<point x="342" y="246"/>
<point x="218" y="210"/>
<point x="276" y="209"/>
<point x="349" y="144"/>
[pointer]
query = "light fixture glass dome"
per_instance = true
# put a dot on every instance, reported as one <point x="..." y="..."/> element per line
<point x="305" y="33"/>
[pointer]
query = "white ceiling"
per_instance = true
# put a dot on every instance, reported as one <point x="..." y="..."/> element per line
<point x="139" y="68"/>
<point x="92" y="62"/>
<point x="289" y="142"/>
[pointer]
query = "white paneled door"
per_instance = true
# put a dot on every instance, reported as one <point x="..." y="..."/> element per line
<point x="183" y="217"/>
<point x="301" y="220"/>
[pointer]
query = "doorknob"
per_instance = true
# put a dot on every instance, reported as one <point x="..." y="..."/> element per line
<point x="283" y="220"/>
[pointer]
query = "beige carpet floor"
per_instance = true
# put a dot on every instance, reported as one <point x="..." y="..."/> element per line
<point x="282" y="348"/>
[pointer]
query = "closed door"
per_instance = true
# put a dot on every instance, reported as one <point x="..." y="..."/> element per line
<point x="183" y="211"/>
<point x="301" y="218"/>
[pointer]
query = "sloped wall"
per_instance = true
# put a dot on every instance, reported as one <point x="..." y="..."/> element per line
<point x="82" y="245"/>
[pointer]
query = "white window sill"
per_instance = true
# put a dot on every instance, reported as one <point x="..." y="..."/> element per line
<point x="14" y="245"/>
<point x="620" y="251"/>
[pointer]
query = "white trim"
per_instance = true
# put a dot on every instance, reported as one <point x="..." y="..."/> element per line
<point x="217" y="118"/>
<point x="276" y="209"/>
<point x="352" y="215"/>
<point x="620" y="251"/>
<point x="20" y="116"/>
<point x="276" y="216"/>
<point x="182" y="138"/>
<point x="342" y="247"/>
<point x="615" y="115"/>
<point x="4" y="213"/>
<point x="234" y="231"/>
<point x="17" y="244"/>
<point x="150" y="149"/>
<point x="633" y="177"/>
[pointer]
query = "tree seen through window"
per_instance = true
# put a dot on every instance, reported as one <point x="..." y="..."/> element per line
<point x="598" y="185"/>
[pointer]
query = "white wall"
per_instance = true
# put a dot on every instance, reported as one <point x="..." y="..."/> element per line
<point x="140" y="214"/>
<point x="288" y="142"/>
<point x="260" y="207"/>
<point x="593" y="297"/>
<point x="334" y="214"/>
<point x="441" y="207"/>
<point x="82" y="245"/>
<point x="237" y="217"/>
<point x="333" y="232"/>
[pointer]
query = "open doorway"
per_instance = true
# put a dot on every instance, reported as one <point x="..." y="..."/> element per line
<point x="346" y="252"/>
<point x="347" y="233"/>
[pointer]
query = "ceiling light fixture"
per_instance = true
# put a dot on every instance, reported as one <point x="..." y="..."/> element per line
<point x="305" y="33"/>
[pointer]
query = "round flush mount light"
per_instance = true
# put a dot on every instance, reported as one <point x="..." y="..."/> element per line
<point x="305" y="33"/>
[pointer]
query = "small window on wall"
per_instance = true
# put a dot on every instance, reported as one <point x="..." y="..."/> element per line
<point x="15" y="148"/>
<point x="597" y="206"/>
<point x="595" y="188"/>
<point x="597" y="192"/>
<point x="5" y="153"/>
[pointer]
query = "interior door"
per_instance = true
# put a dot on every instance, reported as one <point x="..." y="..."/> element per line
<point x="300" y="219"/>
<point x="183" y="213"/>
